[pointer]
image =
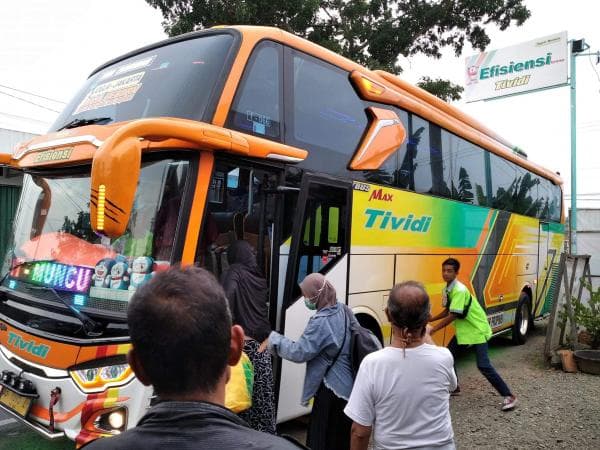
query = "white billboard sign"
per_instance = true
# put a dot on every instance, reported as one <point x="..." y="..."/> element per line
<point x="536" y="64"/>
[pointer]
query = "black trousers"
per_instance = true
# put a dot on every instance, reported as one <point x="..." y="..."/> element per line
<point x="329" y="427"/>
<point x="484" y="365"/>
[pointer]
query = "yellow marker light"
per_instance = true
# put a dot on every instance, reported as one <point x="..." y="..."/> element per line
<point x="372" y="87"/>
<point x="100" y="209"/>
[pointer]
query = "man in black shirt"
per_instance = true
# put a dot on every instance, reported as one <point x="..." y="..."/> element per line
<point x="183" y="343"/>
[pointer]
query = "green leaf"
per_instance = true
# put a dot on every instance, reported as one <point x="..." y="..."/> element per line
<point x="373" y="33"/>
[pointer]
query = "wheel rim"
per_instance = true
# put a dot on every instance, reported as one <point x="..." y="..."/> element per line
<point x="524" y="325"/>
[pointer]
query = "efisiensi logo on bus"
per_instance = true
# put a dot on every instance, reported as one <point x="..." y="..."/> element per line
<point x="386" y="220"/>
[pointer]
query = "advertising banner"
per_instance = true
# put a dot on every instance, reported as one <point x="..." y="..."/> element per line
<point x="532" y="65"/>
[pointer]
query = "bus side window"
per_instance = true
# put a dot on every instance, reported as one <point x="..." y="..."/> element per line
<point x="504" y="178"/>
<point x="258" y="101"/>
<point x="323" y="237"/>
<point x="323" y="113"/>
<point x="228" y="199"/>
<point x="236" y="210"/>
<point x="429" y="160"/>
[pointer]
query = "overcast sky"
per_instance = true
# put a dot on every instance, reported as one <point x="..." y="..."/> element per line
<point x="50" y="47"/>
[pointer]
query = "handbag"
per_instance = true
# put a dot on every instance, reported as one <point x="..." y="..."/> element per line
<point x="362" y="342"/>
<point x="238" y="391"/>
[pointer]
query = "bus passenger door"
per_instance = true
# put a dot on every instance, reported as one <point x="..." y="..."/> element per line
<point x="319" y="243"/>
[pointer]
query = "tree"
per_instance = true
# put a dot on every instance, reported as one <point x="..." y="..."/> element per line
<point x="373" y="33"/>
<point x="463" y="191"/>
<point x="80" y="227"/>
<point x="444" y="89"/>
<point x="523" y="202"/>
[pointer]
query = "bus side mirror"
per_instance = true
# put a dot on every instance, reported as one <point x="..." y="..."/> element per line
<point x="5" y="159"/>
<point x="115" y="176"/>
<point x="383" y="137"/>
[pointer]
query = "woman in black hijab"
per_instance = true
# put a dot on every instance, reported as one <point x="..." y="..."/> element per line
<point x="246" y="290"/>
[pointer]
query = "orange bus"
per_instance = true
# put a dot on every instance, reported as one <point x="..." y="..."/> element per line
<point x="170" y="153"/>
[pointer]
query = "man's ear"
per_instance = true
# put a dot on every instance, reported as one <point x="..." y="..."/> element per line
<point x="236" y="346"/>
<point x="387" y="314"/>
<point x="134" y="362"/>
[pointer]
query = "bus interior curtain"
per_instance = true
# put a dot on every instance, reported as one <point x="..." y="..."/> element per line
<point x="9" y="197"/>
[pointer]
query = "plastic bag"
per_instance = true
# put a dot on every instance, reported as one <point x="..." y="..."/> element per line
<point x="238" y="392"/>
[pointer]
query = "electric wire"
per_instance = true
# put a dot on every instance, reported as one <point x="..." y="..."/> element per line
<point x="32" y="94"/>
<point x="593" y="66"/>
<point x="29" y="101"/>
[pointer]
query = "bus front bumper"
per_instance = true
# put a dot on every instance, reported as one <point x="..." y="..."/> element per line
<point x="74" y="414"/>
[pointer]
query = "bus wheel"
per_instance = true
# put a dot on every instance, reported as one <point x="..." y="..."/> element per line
<point x="370" y="324"/>
<point x="522" y="320"/>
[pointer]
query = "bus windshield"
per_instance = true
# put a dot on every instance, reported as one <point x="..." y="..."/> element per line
<point x="175" y="80"/>
<point x="53" y="245"/>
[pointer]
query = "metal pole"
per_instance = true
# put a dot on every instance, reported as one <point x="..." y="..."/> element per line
<point x="573" y="215"/>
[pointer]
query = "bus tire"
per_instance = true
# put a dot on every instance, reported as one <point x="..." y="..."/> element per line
<point x="522" y="323"/>
<point x="370" y="324"/>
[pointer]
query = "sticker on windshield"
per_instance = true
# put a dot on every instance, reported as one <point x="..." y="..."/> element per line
<point x="135" y="65"/>
<point x="260" y="122"/>
<point x="111" y="93"/>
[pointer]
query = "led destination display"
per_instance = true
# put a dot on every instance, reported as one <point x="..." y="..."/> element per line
<point x="55" y="275"/>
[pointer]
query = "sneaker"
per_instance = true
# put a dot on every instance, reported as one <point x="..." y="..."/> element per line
<point x="455" y="392"/>
<point x="509" y="403"/>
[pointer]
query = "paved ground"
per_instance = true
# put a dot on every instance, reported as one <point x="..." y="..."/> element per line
<point x="556" y="410"/>
<point x="14" y="436"/>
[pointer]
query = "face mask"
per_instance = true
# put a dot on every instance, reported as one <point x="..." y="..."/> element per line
<point x="310" y="305"/>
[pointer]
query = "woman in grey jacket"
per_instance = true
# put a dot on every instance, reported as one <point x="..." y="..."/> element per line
<point x="325" y="348"/>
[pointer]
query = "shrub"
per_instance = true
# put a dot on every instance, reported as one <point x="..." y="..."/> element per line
<point x="588" y="315"/>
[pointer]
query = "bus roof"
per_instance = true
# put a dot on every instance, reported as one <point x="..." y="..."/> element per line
<point x="428" y="105"/>
<point x="447" y="116"/>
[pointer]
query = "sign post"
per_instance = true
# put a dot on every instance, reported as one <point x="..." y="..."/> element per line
<point x="531" y="66"/>
<point x="577" y="47"/>
<point x="573" y="214"/>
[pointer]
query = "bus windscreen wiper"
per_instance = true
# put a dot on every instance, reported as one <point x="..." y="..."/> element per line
<point x="81" y="122"/>
<point x="90" y="326"/>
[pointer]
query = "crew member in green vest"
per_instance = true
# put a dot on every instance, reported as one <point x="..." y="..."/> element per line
<point x="472" y="327"/>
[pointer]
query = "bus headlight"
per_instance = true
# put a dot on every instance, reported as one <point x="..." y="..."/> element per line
<point x="116" y="419"/>
<point x="111" y="373"/>
<point x="107" y="421"/>
<point x="97" y="379"/>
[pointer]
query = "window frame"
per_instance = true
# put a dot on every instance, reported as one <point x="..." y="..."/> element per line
<point x="314" y="181"/>
<point x="554" y="191"/>
<point x="229" y="123"/>
<point x="289" y="108"/>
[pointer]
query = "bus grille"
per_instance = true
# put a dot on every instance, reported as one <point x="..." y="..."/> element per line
<point x="92" y="303"/>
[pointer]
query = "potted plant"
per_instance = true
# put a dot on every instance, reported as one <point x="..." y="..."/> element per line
<point x="587" y="315"/>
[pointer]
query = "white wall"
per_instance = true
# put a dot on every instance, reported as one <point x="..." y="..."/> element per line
<point x="588" y="236"/>
<point x="8" y="139"/>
